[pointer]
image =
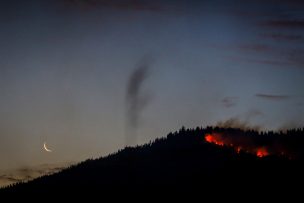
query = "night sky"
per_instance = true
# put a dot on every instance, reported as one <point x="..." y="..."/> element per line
<point x="67" y="69"/>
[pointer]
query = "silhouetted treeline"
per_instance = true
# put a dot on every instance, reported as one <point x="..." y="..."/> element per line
<point x="182" y="159"/>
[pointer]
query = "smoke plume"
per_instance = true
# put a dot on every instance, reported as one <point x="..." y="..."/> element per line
<point x="237" y="123"/>
<point x="136" y="100"/>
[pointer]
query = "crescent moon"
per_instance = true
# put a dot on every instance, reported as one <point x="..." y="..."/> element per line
<point x="45" y="147"/>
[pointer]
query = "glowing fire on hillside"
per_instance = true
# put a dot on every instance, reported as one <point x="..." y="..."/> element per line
<point x="218" y="139"/>
<point x="261" y="152"/>
<point x="210" y="138"/>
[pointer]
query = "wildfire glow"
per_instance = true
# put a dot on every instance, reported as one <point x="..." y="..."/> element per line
<point x="212" y="139"/>
<point x="261" y="152"/>
<point x="218" y="139"/>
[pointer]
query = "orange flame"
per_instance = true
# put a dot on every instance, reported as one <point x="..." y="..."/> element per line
<point x="261" y="152"/>
<point x="217" y="139"/>
<point x="212" y="139"/>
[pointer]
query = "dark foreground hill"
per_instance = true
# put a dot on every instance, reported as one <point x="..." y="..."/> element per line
<point x="184" y="160"/>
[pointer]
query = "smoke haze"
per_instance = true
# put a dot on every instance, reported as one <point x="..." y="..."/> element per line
<point x="136" y="100"/>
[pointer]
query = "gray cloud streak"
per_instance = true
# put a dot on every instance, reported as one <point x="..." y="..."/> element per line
<point x="136" y="100"/>
<point x="135" y="5"/>
<point x="287" y="24"/>
<point x="283" y="37"/>
<point x="272" y="97"/>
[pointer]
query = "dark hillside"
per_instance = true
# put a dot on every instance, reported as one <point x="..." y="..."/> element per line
<point x="183" y="159"/>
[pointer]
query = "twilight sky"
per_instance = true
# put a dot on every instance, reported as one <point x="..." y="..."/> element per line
<point x="66" y="67"/>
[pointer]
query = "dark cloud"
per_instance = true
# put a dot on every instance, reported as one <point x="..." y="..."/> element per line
<point x="286" y="24"/>
<point x="297" y="2"/>
<point x="136" y="99"/>
<point x="283" y="63"/>
<point x="275" y="1"/>
<point x="272" y="97"/>
<point x="251" y="14"/>
<point x="255" y="47"/>
<point x="229" y="101"/>
<point x="288" y="58"/>
<point x="267" y="9"/>
<point x="275" y="55"/>
<point x="283" y="37"/>
<point x="296" y="57"/>
<point x="270" y="62"/>
<point x="138" y="5"/>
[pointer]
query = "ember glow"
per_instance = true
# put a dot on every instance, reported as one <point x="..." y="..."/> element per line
<point x="212" y="139"/>
<point x="261" y="152"/>
<point x="219" y="139"/>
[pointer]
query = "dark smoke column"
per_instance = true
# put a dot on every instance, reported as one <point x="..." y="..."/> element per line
<point x="136" y="101"/>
